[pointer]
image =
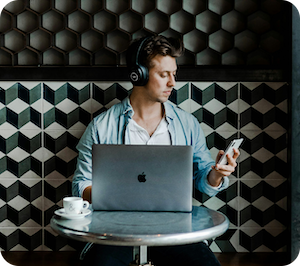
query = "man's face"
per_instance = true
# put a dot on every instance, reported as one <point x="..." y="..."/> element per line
<point x="161" y="78"/>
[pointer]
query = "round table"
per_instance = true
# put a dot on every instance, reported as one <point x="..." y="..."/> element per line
<point x="142" y="229"/>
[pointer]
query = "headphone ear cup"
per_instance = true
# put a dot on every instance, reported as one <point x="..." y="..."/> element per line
<point x="139" y="75"/>
<point x="145" y="75"/>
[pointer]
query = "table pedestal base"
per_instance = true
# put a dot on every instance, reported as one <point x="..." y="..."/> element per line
<point x="147" y="264"/>
<point x="140" y="255"/>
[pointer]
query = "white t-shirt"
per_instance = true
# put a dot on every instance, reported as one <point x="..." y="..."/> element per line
<point x="139" y="135"/>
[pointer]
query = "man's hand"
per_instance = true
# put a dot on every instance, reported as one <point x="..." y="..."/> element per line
<point x="87" y="194"/>
<point x="219" y="171"/>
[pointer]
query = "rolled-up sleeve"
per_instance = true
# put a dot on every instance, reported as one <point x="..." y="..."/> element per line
<point x="212" y="191"/>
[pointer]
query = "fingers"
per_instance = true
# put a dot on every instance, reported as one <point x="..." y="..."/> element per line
<point x="231" y="160"/>
<point x="221" y="152"/>
<point x="236" y="153"/>
<point x="224" y="170"/>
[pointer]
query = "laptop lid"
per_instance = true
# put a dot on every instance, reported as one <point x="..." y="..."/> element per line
<point x="142" y="177"/>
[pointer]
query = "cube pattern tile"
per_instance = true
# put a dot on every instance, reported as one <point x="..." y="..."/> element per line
<point x="89" y="33"/>
<point x="38" y="156"/>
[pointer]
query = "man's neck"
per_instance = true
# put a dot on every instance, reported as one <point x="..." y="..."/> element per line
<point x="144" y="108"/>
<point x="147" y="114"/>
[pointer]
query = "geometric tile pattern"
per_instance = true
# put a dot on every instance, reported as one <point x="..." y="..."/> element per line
<point x="93" y="33"/>
<point x="21" y="104"/>
<point x="41" y="123"/>
<point x="65" y="104"/>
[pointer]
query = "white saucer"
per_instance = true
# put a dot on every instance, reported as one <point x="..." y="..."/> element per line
<point x="62" y="213"/>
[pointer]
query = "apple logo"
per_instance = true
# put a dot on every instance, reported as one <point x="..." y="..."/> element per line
<point x="142" y="177"/>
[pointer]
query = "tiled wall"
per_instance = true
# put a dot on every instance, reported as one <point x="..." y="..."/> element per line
<point x="41" y="123"/>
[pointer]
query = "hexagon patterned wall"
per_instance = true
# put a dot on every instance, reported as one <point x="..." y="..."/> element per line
<point x="97" y="32"/>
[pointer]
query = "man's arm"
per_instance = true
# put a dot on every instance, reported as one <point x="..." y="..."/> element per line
<point x="83" y="174"/>
<point x="208" y="179"/>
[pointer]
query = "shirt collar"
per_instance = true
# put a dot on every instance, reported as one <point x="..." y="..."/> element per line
<point x="169" y="111"/>
<point x="128" y="110"/>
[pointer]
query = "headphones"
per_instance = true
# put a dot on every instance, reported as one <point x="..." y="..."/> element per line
<point x="138" y="74"/>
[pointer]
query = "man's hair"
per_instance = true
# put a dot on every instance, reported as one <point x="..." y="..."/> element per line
<point x="160" y="45"/>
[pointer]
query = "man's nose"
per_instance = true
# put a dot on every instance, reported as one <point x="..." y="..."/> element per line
<point x="172" y="81"/>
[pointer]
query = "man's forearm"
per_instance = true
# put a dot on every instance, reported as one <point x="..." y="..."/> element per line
<point x="214" y="178"/>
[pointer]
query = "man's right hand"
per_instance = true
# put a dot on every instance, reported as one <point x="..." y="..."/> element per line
<point x="87" y="194"/>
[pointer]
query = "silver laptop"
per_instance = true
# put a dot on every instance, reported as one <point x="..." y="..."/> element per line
<point x="142" y="177"/>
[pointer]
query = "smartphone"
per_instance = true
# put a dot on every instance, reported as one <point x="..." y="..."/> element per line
<point x="236" y="143"/>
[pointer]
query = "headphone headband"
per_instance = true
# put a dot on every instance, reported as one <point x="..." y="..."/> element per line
<point x="139" y="50"/>
<point x="138" y="73"/>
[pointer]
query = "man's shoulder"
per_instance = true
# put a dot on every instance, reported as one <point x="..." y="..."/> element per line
<point x="114" y="111"/>
<point x="178" y="111"/>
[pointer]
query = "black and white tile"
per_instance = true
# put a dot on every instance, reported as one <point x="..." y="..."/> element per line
<point x="42" y="122"/>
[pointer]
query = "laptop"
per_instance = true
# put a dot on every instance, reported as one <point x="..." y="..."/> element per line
<point x="142" y="178"/>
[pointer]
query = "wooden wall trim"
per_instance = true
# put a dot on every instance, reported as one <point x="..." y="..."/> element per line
<point x="120" y="74"/>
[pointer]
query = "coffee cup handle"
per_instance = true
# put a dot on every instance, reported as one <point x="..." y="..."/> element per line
<point x="85" y="204"/>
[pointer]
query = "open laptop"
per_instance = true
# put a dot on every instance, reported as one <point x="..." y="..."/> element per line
<point x="142" y="177"/>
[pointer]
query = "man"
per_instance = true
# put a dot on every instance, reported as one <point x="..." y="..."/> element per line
<point x="145" y="117"/>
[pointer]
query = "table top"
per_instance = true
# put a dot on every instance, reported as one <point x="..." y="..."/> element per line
<point x="144" y="228"/>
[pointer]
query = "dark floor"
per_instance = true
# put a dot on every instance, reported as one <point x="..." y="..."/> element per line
<point x="64" y="258"/>
<point x="253" y="259"/>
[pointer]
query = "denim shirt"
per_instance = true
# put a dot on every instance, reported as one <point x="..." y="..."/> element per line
<point x="110" y="128"/>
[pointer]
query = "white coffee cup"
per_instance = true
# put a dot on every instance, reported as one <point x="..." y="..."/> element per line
<point x="74" y="205"/>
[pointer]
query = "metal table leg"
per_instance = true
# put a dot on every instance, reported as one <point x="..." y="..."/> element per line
<point x="143" y="255"/>
<point x="140" y="255"/>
